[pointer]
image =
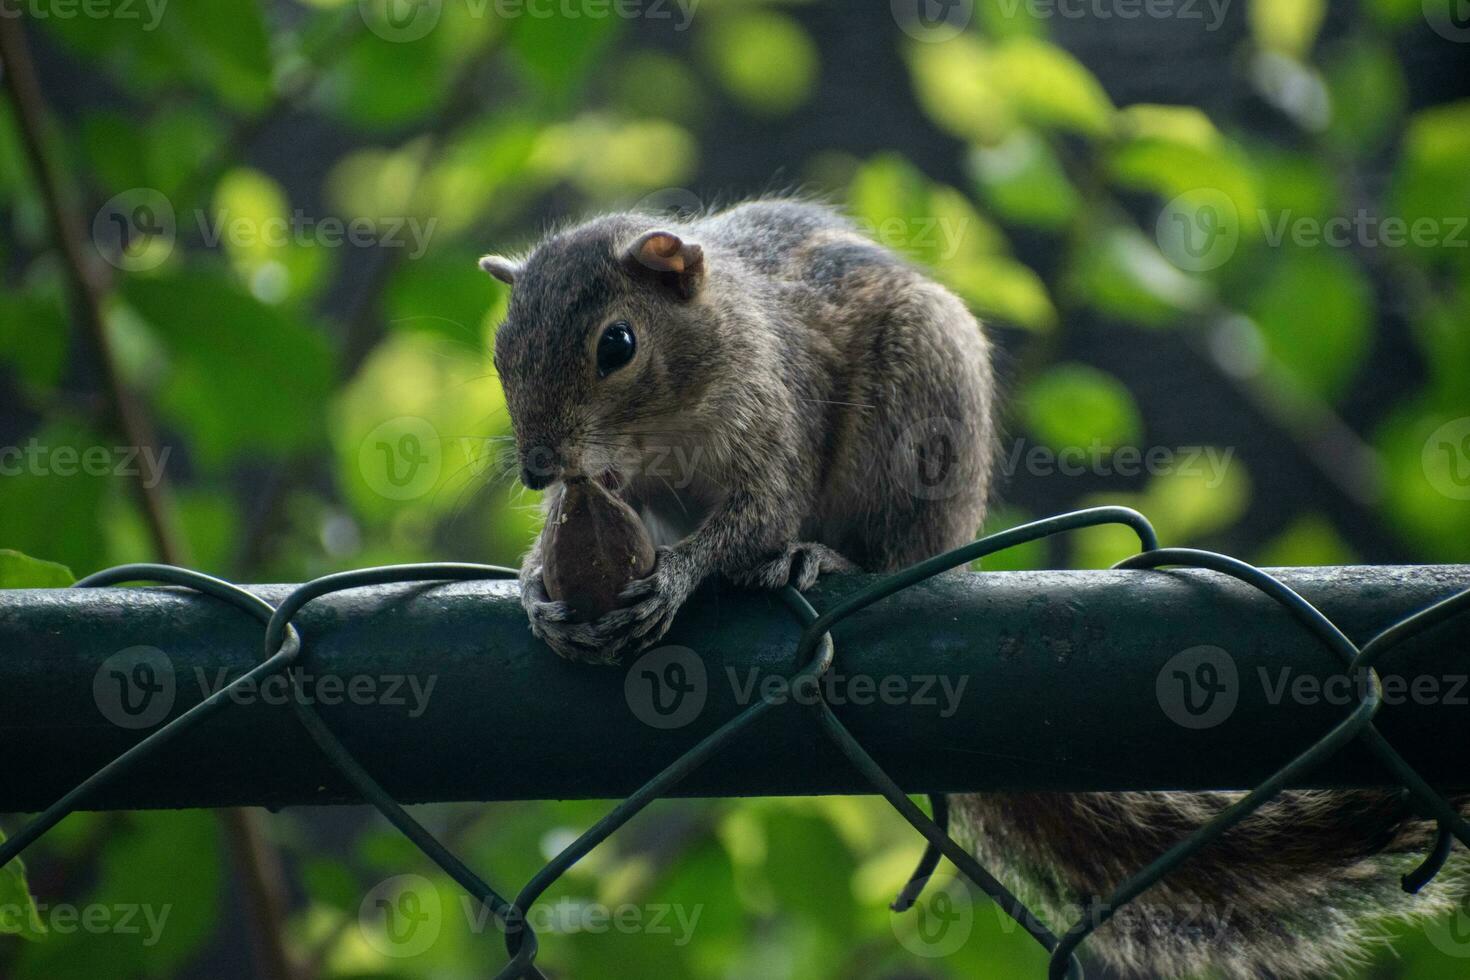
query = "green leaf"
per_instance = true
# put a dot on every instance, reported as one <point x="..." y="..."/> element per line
<point x="650" y="83"/>
<point x="608" y="158"/>
<point x="1052" y="88"/>
<point x="764" y="60"/>
<point x="449" y="296"/>
<point x="34" y="336"/>
<point x="1001" y="287"/>
<point x="559" y="52"/>
<point x="1315" y="310"/>
<point x="1293" y="185"/>
<point x="955" y="83"/>
<point x="1123" y="274"/>
<point x="1368" y="94"/>
<point x="225" y="43"/>
<point x="979" y="91"/>
<point x="18" y="571"/>
<point x="414" y="432"/>
<point x="255" y="223"/>
<point x="52" y="504"/>
<point x="1022" y="180"/>
<point x="1170" y="168"/>
<point x="243" y="376"/>
<point x="15" y="893"/>
<point x="1178" y="124"/>
<point x="937" y="225"/>
<point x="162" y="871"/>
<point x="1287" y="26"/>
<point x="1426" y="472"/>
<point x="1310" y="540"/>
<point x="1431" y="185"/>
<point x="1078" y="405"/>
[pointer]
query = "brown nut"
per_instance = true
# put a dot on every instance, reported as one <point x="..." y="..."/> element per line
<point x="595" y="546"/>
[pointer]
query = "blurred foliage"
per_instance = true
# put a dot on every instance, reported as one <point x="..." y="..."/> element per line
<point x="329" y="403"/>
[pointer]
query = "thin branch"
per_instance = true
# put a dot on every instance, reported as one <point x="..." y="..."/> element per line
<point x="88" y="282"/>
<point x="257" y="860"/>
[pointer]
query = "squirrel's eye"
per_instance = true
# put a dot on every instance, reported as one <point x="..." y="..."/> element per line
<point x="615" y="348"/>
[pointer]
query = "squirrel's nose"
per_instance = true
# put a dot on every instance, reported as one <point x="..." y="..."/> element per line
<point x="535" y="479"/>
<point x="540" y="465"/>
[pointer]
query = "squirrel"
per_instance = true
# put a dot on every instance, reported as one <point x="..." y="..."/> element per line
<point x="834" y="408"/>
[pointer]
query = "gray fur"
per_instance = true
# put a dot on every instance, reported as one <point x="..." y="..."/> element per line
<point x="787" y="371"/>
<point x="802" y="367"/>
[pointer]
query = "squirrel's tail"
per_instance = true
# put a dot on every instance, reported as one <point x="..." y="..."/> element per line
<point x="1298" y="889"/>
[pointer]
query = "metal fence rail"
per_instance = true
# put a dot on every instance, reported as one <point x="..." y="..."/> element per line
<point x="959" y="683"/>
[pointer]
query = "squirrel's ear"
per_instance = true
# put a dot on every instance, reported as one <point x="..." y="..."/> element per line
<point x="668" y="257"/>
<point x="501" y="268"/>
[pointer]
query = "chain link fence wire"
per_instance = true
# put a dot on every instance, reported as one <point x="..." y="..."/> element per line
<point x="283" y="652"/>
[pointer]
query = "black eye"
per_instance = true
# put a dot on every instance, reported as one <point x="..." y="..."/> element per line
<point x="615" y="348"/>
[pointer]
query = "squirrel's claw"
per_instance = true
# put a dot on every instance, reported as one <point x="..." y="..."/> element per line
<point x="650" y="605"/>
<point x="799" y="565"/>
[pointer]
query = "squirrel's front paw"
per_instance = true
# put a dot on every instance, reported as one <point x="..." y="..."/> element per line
<point x="551" y="621"/>
<point x="649" y="605"/>
<point x="799" y="565"/>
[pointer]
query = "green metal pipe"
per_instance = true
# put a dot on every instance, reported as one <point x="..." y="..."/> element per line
<point x="1004" y="680"/>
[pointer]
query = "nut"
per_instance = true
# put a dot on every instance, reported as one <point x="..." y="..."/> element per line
<point x="595" y="546"/>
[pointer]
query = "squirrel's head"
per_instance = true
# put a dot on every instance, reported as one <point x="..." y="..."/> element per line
<point x="603" y="345"/>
